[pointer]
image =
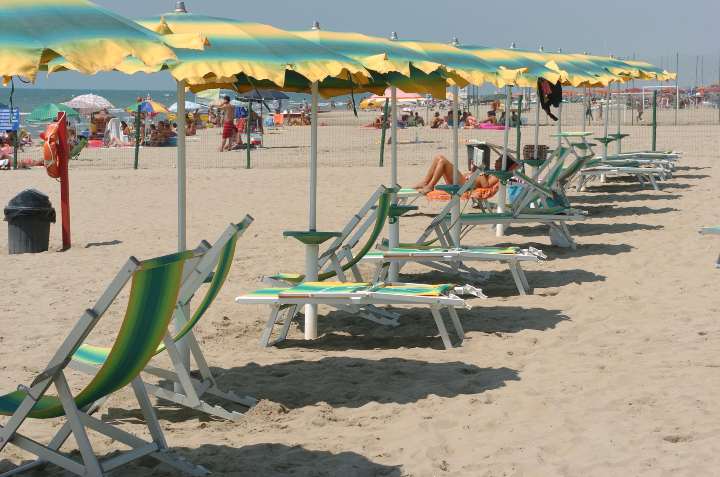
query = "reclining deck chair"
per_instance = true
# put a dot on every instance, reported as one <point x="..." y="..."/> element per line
<point x="643" y="173"/>
<point x="153" y="297"/>
<point x="188" y="391"/>
<point x="349" y="294"/>
<point x="539" y="201"/>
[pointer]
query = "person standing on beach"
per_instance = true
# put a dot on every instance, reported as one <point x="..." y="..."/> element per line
<point x="228" y="131"/>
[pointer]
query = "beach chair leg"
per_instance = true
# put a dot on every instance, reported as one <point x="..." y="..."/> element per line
<point x="191" y="398"/>
<point x="356" y="273"/>
<point x="441" y="327"/>
<point x="457" y="323"/>
<point x="267" y="332"/>
<point x="90" y="460"/>
<point x="653" y="182"/>
<point x="560" y="236"/>
<point x="380" y="316"/>
<point x="523" y="277"/>
<point x="289" y="316"/>
<point x="158" y="438"/>
<point x="208" y="378"/>
<point x="516" y="278"/>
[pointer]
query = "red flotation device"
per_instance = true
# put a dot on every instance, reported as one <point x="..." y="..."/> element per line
<point x="50" y="150"/>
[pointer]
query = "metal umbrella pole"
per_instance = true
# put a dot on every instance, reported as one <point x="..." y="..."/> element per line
<point x="606" y="122"/>
<point x="312" y="250"/>
<point x="502" y="190"/>
<point x="180" y="318"/>
<point x="394" y="226"/>
<point x="455" y="215"/>
<point x="559" y="124"/>
<point x="537" y="134"/>
<point x="617" y="98"/>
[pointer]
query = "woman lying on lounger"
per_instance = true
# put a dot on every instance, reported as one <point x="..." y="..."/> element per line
<point x="441" y="167"/>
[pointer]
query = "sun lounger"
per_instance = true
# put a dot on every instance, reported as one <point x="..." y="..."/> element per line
<point x="644" y="174"/>
<point x="182" y="388"/>
<point x="452" y="260"/>
<point x="153" y="297"/>
<point x="351" y="297"/>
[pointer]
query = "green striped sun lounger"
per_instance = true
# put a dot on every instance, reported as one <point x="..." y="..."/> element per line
<point x="455" y="260"/>
<point x="352" y="296"/>
<point x="154" y="291"/>
<point x="712" y="231"/>
<point x="180" y="386"/>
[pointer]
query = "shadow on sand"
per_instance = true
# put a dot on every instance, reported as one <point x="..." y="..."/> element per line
<point x="255" y="460"/>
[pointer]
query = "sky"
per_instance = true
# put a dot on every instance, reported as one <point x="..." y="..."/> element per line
<point x="653" y="30"/>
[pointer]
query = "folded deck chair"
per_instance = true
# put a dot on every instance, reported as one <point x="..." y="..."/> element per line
<point x="644" y="174"/>
<point x="712" y="231"/>
<point x="352" y="295"/>
<point x="183" y="388"/>
<point x="153" y="296"/>
<point x="455" y="260"/>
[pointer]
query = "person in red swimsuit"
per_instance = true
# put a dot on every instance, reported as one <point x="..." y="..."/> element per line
<point x="228" y="132"/>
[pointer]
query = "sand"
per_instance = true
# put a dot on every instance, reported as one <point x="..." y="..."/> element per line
<point x="610" y="368"/>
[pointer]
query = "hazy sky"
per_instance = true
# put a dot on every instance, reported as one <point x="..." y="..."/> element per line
<point x="649" y="29"/>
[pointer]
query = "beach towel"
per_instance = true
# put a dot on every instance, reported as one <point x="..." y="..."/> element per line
<point x="550" y="95"/>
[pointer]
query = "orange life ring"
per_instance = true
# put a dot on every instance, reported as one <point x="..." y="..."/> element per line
<point x="50" y="150"/>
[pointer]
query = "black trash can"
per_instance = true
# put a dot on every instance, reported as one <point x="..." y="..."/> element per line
<point x="29" y="215"/>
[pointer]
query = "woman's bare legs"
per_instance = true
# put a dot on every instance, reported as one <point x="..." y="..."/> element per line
<point x="440" y="168"/>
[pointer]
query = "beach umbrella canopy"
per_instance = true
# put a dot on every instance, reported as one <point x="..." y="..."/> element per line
<point x="48" y="112"/>
<point x="148" y="106"/>
<point x="189" y="106"/>
<point x="388" y="60"/>
<point x="254" y="52"/>
<point x="89" y="103"/>
<point x="265" y="95"/>
<point x="463" y="67"/>
<point x="512" y="59"/>
<point x="88" y="37"/>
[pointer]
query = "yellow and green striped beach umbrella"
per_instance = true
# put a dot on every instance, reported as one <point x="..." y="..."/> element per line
<point x="463" y="67"/>
<point x="88" y="37"/>
<point x="390" y="62"/>
<point x="261" y="54"/>
<point x="511" y="59"/>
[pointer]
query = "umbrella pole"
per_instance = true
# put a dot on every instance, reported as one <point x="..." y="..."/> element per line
<point x="559" y="124"/>
<point x="248" y="128"/>
<point x="606" y="122"/>
<point x="502" y="191"/>
<point x="537" y="135"/>
<point x="456" y="225"/>
<point x="312" y="250"/>
<point x="618" y="145"/>
<point x="180" y="319"/>
<point x="395" y="221"/>
<point x="137" y="137"/>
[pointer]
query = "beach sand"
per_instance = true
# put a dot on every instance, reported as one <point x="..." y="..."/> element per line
<point x="610" y="368"/>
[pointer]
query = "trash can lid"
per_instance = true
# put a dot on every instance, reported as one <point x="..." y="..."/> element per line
<point x="30" y="199"/>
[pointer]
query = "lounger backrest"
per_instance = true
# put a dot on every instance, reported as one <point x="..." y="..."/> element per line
<point x="382" y="212"/>
<point x="153" y="298"/>
<point x="355" y="228"/>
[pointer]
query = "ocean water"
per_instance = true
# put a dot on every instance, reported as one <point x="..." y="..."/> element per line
<point x="28" y="99"/>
